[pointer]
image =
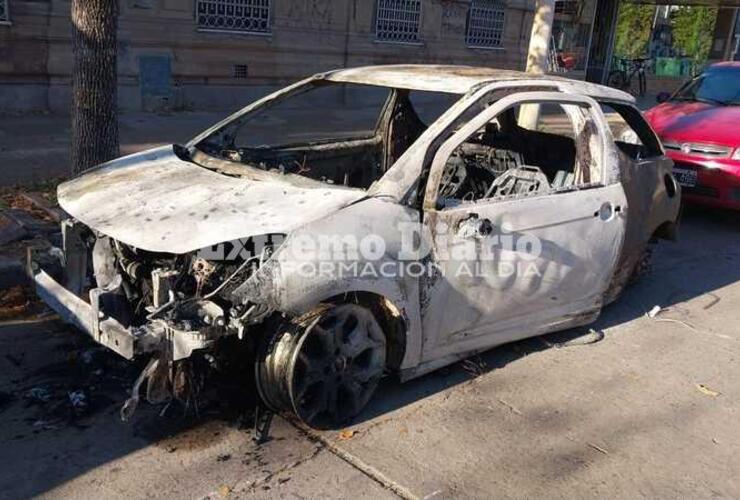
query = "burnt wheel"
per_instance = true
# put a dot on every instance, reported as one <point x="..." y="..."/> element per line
<point x="325" y="371"/>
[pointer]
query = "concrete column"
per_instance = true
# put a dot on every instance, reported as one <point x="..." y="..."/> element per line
<point x="539" y="43"/>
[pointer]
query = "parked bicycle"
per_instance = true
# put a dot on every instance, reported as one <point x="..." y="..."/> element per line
<point x="623" y="77"/>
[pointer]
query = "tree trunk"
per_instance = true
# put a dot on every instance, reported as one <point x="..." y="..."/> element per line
<point x="94" y="83"/>
<point x="539" y="47"/>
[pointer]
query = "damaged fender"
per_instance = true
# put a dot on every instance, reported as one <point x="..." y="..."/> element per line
<point x="294" y="281"/>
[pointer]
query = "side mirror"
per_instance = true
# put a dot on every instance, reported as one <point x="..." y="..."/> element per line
<point x="662" y="97"/>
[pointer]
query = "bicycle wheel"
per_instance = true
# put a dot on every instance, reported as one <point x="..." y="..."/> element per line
<point x="632" y="84"/>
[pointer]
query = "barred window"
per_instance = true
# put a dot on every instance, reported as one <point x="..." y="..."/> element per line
<point x="567" y="7"/>
<point x="398" y="21"/>
<point x="486" y="23"/>
<point x="243" y="16"/>
<point x="240" y="71"/>
<point x="4" y="14"/>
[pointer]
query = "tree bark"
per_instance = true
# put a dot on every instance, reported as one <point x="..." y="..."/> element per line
<point x="94" y="83"/>
<point x="539" y="47"/>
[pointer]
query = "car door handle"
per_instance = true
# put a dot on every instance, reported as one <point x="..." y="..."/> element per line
<point x="607" y="211"/>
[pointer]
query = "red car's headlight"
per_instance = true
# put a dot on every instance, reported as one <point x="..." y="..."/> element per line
<point x="736" y="154"/>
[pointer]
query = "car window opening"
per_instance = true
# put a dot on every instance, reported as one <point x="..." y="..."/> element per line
<point x="632" y="135"/>
<point x="505" y="160"/>
<point x="335" y="133"/>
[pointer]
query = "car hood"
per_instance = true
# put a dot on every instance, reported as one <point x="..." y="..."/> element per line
<point x="157" y="202"/>
<point x="696" y="122"/>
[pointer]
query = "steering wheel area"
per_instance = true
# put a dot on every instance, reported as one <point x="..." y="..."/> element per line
<point x="453" y="177"/>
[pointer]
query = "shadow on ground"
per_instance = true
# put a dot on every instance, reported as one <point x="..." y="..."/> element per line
<point x="705" y="259"/>
<point x="60" y="398"/>
<point x="38" y="434"/>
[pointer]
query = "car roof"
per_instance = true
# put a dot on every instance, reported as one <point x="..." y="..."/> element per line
<point x="459" y="79"/>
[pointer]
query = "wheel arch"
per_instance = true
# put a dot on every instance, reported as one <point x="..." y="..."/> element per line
<point x="668" y="230"/>
<point x="389" y="314"/>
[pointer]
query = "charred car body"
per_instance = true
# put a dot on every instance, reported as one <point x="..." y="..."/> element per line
<point x="171" y="250"/>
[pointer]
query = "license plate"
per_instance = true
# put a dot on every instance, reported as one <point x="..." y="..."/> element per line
<point x="685" y="176"/>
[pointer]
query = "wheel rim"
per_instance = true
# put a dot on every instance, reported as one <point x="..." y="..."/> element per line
<point x="336" y="366"/>
<point x="325" y="372"/>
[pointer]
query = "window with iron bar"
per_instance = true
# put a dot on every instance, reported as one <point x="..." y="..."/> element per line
<point x="4" y="13"/>
<point x="567" y="7"/>
<point x="398" y="21"/>
<point x="240" y="71"/>
<point x="486" y="23"/>
<point x="241" y="16"/>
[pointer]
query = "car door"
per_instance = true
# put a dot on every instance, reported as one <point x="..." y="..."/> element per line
<point x="532" y="259"/>
<point x="652" y="193"/>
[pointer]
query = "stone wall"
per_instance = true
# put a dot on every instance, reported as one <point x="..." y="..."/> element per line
<point x="194" y="69"/>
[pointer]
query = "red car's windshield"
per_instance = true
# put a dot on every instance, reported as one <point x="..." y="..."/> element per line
<point x="719" y="85"/>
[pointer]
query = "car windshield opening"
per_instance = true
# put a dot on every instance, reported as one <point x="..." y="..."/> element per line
<point x="716" y="86"/>
<point x="337" y="133"/>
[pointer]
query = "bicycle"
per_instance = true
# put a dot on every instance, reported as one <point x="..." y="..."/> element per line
<point x="621" y="78"/>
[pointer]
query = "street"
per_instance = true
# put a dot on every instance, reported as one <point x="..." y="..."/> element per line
<point x="649" y="411"/>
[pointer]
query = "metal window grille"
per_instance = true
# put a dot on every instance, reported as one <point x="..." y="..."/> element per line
<point x="240" y="71"/>
<point x="566" y="7"/>
<point x="486" y="23"/>
<point x="245" y="16"/>
<point x="4" y="14"/>
<point x="398" y="21"/>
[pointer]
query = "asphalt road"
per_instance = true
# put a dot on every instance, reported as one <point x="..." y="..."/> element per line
<point x="649" y="411"/>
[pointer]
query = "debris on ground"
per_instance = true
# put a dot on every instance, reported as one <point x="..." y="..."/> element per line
<point x="10" y="229"/>
<point x="654" y="312"/>
<point x="591" y="337"/>
<point x="346" y="435"/>
<point x="46" y="425"/>
<point x="40" y="394"/>
<point x="17" y="302"/>
<point x="598" y="448"/>
<point x="21" y="224"/>
<point x="62" y="390"/>
<point x="38" y="204"/>
<point x="475" y="366"/>
<point x="25" y="218"/>
<point x="30" y="223"/>
<point x="706" y="390"/>
<point x="78" y="400"/>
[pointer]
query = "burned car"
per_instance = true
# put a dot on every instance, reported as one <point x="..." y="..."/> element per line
<point x="364" y="222"/>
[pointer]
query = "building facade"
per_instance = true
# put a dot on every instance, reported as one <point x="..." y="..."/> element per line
<point x="221" y="54"/>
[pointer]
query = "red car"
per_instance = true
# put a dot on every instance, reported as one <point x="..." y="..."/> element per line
<point x="699" y="126"/>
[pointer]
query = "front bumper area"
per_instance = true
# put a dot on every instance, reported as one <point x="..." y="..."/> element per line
<point x="72" y="309"/>
<point x="159" y="333"/>
<point x="155" y="336"/>
<point x="718" y="181"/>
